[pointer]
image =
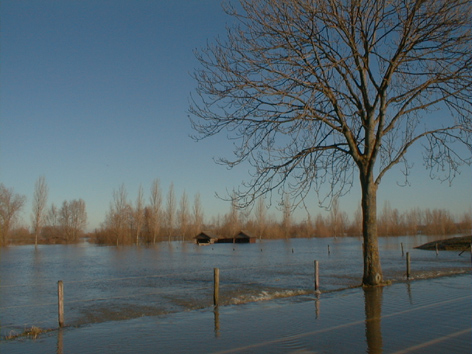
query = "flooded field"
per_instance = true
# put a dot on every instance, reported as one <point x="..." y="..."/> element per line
<point x="117" y="283"/>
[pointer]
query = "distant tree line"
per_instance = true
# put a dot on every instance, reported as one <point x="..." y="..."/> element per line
<point x="64" y="224"/>
<point x="153" y="221"/>
<point x="161" y="217"/>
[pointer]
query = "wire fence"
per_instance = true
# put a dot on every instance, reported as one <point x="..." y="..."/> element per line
<point x="179" y="291"/>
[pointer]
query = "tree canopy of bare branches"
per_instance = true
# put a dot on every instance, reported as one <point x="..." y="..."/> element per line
<point x="72" y="219"/>
<point x="314" y="93"/>
<point x="11" y="204"/>
<point x="40" y="199"/>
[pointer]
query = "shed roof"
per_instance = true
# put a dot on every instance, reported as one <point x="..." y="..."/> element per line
<point x="206" y="234"/>
<point x="243" y="234"/>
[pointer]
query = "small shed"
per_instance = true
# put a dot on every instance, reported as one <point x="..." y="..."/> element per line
<point x="244" y="237"/>
<point x="205" y="238"/>
<point x="241" y="237"/>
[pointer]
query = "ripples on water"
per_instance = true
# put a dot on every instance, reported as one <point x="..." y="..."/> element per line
<point x="115" y="283"/>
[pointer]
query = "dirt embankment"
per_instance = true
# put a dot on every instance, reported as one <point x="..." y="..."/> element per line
<point x="451" y="244"/>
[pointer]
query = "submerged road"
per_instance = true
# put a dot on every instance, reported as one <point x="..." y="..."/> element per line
<point x="391" y="325"/>
<point x="421" y="316"/>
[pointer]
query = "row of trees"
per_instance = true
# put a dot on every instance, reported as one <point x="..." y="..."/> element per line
<point x="140" y="222"/>
<point x="54" y="225"/>
<point x="127" y="222"/>
<point x="167" y="219"/>
<point x="163" y="217"/>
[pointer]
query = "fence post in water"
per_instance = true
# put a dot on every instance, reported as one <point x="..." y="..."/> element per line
<point x="408" y="265"/>
<point x="403" y="253"/>
<point x="437" y="250"/>
<point x="317" y="278"/>
<point x="60" y="297"/>
<point x="216" y="291"/>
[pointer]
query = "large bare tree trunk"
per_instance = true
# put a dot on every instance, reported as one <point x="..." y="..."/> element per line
<point x="372" y="268"/>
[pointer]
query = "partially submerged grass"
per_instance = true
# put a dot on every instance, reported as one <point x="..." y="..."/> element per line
<point x="32" y="333"/>
<point x="462" y="243"/>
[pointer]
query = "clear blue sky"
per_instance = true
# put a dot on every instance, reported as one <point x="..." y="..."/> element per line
<point x="94" y="94"/>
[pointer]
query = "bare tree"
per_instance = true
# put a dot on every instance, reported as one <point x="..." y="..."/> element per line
<point x="52" y="217"/>
<point x="413" y="221"/>
<point x="155" y="210"/>
<point x="321" y="226"/>
<point x="314" y="93"/>
<point x="10" y="207"/>
<point x="197" y="215"/>
<point x="261" y="216"/>
<point x="391" y="222"/>
<point x="72" y="219"/>
<point x="184" y="216"/>
<point x="78" y="218"/>
<point x="65" y="221"/>
<point x="40" y="199"/>
<point x="51" y="230"/>
<point x="465" y="222"/>
<point x="170" y="211"/>
<point x="286" y="215"/>
<point x="232" y="219"/>
<point x="117" y="218"/>
<point x="335" y="217"/>
<point x="138" y="213"/>
<point x="438" y="222"/>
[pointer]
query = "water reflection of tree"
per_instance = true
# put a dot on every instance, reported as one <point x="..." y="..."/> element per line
<point x="373" y="314"/>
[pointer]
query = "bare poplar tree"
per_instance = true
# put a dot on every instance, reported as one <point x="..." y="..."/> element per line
<point x="335" y="217"/>
<point x="155" y="210"/>
<point x="197" y="214"/>
<point x="10" y="207"/>
<point x="286" y="215"/>
<point x="138" y="213"/>
<point x="118" y="216"/>
<point x="232" y="219"/>
<point x="40" y="199"/>
<point x="52" y="222"/>
<point x="65" y="221"/>
<point x="321" y="226"/>
<point x="261" y="216"/>
<point x="78" y="218"/>
<point x="314" y="93"/>
<point x="412" y="221"/>
<point x="170" y="211"/>
<point x="184" y="216"/>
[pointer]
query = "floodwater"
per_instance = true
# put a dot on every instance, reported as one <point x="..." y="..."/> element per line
<point x="107" y="284"/>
